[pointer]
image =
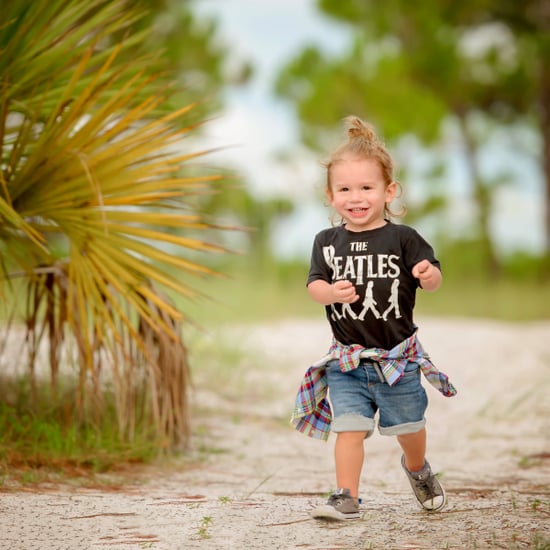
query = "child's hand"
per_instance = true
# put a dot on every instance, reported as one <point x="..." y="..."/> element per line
<point x="422" y="269"/>
<point x="428" y="275"/>
<point x="344" y="292"/>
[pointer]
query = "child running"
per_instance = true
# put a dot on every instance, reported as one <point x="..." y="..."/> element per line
<point x="365" y="271"/>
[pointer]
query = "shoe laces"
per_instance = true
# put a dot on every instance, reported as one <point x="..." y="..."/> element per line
<point x="338" y="497"/>
<point x="427" y="482"/>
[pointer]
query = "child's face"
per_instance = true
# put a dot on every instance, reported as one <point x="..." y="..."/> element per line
<point x="358" y="192"/>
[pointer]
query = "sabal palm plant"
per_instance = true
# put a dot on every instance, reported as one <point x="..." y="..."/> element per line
<point x="95" y="189"/>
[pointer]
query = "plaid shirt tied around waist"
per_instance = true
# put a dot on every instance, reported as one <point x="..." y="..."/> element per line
<point x="312" y="414"/>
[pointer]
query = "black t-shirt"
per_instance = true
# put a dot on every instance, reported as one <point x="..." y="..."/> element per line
<point x="379" y="263"/>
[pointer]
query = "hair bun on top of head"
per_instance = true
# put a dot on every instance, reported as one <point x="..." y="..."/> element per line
<point x="358" y="129"/>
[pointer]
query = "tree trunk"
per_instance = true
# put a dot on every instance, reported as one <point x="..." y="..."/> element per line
<point x="482" y="197"/>
<point x="544" y="107"/>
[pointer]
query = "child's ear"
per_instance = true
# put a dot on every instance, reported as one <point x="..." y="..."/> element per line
<point x="391" y="191"/>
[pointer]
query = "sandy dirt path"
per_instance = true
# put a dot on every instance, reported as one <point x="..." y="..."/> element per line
<point x="257" y="478"/>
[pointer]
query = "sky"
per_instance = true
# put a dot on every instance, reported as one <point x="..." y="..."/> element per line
<point x="255" y="126"/>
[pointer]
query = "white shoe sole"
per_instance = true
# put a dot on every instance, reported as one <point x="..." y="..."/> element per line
<point x="330" y="513"/>
<point x="438" y="503"/>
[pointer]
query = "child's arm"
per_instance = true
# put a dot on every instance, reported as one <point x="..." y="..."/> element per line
<point x="338" y="292"/>
<point x="429" y="276"/>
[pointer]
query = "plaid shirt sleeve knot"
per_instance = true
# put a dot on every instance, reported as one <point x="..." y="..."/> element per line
<point x="312" y="414"/>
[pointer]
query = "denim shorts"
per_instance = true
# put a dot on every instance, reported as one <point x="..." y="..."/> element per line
<point x="358" y="395"/>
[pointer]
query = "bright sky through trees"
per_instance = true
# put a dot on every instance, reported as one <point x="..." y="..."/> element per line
<point x="257" y="127"/>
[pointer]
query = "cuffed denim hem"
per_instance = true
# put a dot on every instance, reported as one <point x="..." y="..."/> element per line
<point x="352" y="422"/>
<point x="403" y="429"/>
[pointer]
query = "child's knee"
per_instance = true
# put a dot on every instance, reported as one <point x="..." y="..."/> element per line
<point x="350" y="437"/>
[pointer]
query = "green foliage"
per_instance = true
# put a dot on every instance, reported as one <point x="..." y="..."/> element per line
<point x="40" y="434"/>
<point x="312" y="77"/>
<point x="438" y="40"/>
<point x="415" y="68"/>
<point x="35" y="39"/>
<point x="192" y="53"/>
<point x="95" y="202"/>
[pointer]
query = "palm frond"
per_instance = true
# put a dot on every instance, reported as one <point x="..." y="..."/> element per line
<point x="41" y="42"/>
<point x="91" y="155"/>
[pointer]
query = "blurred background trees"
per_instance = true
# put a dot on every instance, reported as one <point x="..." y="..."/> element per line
<point x="476" y="67"/>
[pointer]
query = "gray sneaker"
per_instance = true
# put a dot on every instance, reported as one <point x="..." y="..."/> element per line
<point x="340" y="505"/>
<point x="426" y="487"/>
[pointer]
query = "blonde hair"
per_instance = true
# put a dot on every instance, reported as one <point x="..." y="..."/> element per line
<point x="363" y="143"/>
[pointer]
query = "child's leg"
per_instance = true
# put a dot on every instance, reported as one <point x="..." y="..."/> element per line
<point x="414" y="449"/>
<point x="428" y="491"/>
<point x="349" y="454"/>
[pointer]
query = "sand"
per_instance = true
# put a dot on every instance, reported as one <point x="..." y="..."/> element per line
<point x="249" y="480"/>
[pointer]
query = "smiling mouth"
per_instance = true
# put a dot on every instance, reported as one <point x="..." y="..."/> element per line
<point x="358" y="210"/>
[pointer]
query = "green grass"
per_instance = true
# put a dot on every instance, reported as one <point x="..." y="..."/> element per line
<point x="502" y="300"/>
<point x="243" y="297"/>
<point x="41" y="438"/>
